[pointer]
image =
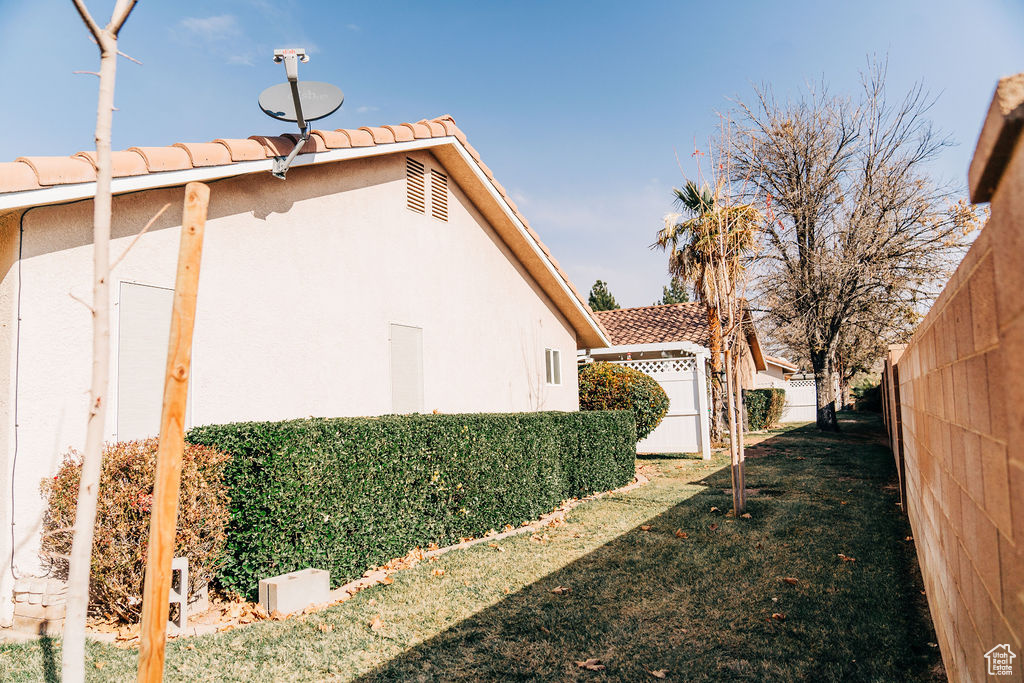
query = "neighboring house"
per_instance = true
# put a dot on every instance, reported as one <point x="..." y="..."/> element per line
<point x="776" y="373"/>
<point x="390" y="273"/>
<point x="801" y="397"/>
<point x="671" y="344"/>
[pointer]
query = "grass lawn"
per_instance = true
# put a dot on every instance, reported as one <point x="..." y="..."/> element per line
<point x="642" y="599"/>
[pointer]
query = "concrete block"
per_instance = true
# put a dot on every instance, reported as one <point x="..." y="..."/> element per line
<point x="50" y="612"/>
<point x="49" y="627"/>
<point x="295" y="591"/>
<point x="997" y="483"/>
<point x="983" y="304"/>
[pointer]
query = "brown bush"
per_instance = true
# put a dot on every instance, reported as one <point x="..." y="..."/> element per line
<point x="122" y="521"/>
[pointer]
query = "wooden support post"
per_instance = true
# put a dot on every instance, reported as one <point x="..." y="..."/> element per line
<point x="164" y="519"/>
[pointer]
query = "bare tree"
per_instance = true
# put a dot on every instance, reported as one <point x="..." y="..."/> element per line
<point x="73" y="652"/>
<point x="858" y="229"/>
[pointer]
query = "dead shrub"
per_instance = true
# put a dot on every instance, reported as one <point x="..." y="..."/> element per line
<point x="122" y="521"/>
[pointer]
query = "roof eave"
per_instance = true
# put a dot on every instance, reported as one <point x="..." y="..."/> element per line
<point x="589" y="332"/>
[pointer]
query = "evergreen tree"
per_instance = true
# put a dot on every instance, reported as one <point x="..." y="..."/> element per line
<point x="673" y="293"/>
<point x="600" y="298"/>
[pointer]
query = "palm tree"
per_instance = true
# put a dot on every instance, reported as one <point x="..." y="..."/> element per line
<point x="707" y="249"/>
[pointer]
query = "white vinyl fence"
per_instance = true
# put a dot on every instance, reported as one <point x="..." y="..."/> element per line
<point x="801" y="402"/>
<point x="686" y="427"/>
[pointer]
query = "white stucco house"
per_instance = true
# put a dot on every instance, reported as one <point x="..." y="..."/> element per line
<point x="390" y="273"/>
<point x="671" y="344"/>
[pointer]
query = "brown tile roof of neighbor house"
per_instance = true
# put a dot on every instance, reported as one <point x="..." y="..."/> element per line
<point x="654" y="324"/>
<point x="28" y="173"/>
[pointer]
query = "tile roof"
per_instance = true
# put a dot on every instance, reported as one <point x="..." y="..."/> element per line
<point x="39" y="172"/>
<point x="654" y="324"/>
<point x="35" y="172"/>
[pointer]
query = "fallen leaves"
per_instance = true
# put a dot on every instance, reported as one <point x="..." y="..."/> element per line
<point x="681" y="534"/>
<point x="790" y="580"/>
<point x="778" y="616"/>
<point x="714" y="509"/>
<point x="712" y="527"/>
<point x="326" y="628"/>
<point x="745" y="515"/>
<point x="438" y="572"/>
<point x="496" y="547"/>
<point x="561" y="590"/>
<point x="591" y="665"/>
<point x="658" y="673"/>
<point x="846" y="558"/>
<point x="376" y="624"/>
<point x="645" y="527"/>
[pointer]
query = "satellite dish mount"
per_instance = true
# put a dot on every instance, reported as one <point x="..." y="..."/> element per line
<point x="299" y="102"/>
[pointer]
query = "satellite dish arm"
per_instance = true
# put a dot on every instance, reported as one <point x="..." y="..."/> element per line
<point x="291" y="58"/>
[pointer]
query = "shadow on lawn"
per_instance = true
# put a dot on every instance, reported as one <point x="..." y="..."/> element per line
<point x="713" y="605"/>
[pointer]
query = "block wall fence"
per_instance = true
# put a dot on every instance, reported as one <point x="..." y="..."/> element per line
<point x="954" y="410"/>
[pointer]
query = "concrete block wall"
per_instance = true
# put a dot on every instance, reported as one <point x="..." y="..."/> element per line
<point x="958" y="389"/>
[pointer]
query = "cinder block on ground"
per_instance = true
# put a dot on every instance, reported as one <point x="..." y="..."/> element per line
<point x="295" y="591"/>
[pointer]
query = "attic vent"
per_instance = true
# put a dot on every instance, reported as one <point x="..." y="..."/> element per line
<point x="415" y="192"/>
<point x="438" y="195"/>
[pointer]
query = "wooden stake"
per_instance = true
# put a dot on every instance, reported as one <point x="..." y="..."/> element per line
<point x="737" y="481"/>
<point x="163" y="522"/>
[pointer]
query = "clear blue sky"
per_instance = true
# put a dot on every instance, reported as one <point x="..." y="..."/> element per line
<point x="579" y="108"/>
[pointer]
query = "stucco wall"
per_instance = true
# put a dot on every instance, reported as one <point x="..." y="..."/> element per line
<point x="300" y="281"/>
<point x="956" y="420"/>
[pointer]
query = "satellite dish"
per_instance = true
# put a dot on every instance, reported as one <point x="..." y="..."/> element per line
<point x="298" y="102"/>
<point x="317" y="100"/>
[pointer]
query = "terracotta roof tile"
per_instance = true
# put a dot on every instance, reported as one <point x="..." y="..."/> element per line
<point x="60" y="170"/>
<point x="16" y="176"/>
<point x="420" y="130"/>
<point x="400" y="132"/>
<point x="655" y="324"/>
<point x="380" y="135"/>
<point x="205" y="153"/>
<point x="436" y="129"/>
<point x="164" y="158"/>
<point x="333" y="139"/>
<point x="276" y="146"/>
<point x="243" y="150"/>
<point x="358" y="138"/>
<point x="313" y="145"/>
<point x="123" y="163"/>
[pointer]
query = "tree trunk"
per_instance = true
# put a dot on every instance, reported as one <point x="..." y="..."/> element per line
<point x="717" y="402"/>
<point x="825" y="394"/>
<point x="73" y="649"/>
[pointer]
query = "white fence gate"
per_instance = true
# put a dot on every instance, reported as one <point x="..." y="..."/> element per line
<point x="801" y="401"/>
<point x="685" y="428"/>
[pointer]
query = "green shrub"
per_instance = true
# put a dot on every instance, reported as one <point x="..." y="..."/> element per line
<point x="121" y="535"/>
<point x="764" y="407"/>
<point x="346" y="494"/>
<point x="607" y="386"/>
<point x="867" y="395"/>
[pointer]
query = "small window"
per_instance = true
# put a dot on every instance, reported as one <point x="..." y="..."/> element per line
<point x="553" y="366"/>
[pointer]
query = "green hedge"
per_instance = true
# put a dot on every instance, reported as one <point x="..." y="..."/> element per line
<point x="764" y="407"/>
<point x="345" y="494"/>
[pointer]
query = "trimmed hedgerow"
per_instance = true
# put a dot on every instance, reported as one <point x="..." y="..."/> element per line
<point x="764" y="407"/>
<point x="345" y="494"/>
<point x="607" y="386"/>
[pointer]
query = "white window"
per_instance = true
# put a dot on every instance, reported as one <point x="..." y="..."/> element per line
<point x="553" y="366"/>
<point x="406" y="369"/>
<point x="144" y="328"/>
